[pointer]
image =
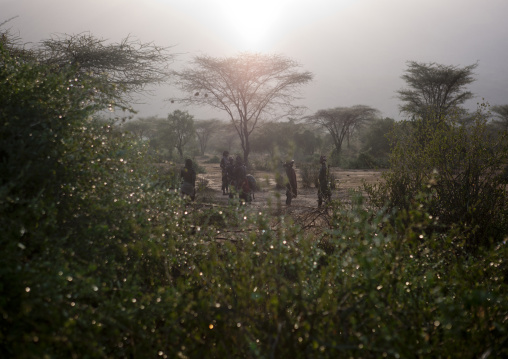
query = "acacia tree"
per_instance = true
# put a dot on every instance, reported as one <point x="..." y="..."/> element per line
<point x="205" y="129"/>
<point x="12" y="43"/>
<point x="126" y="67"/>
<point x="181" y="126"/>
<point x="342" y="122"/>
<point x="250" y="88"/>
<point x="435" y="90"/>
<point x="144" y="127"/>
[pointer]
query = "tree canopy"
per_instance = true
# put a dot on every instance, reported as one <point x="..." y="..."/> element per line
<point x="205" y="129"/>
<point x="249" y="87"/>
<point x="435" y="90"/>
<point x="181" y="124"/>
<point x="375" y="140"/>
<point x="342" y="122"/>
<point x="125" y="68"/>
<point x="129" y="65"/>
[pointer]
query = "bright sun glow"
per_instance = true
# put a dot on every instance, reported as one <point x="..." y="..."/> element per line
<point x="252" y="21"/>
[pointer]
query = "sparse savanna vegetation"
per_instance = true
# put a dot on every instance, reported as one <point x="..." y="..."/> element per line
<point x="101" y="257"/>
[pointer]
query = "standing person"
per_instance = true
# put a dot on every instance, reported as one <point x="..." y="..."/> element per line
<point x="188" y="175"/>
<point x="224" y="163"/>
<point x="240" y="180"/>
<point x="291" y="186"/>
<point x="324" y="192"/>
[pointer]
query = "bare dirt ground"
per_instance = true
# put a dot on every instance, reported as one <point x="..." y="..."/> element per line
<point x="269" y="195"/>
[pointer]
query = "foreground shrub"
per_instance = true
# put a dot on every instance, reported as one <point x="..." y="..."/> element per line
<point x="461" y="166"/>
<point x="78" y="211"/>
<point x="372" y="286"/>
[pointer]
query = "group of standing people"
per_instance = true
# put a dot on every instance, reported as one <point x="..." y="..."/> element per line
<point x="324" y="191"/>
<point x="234" y="177"/>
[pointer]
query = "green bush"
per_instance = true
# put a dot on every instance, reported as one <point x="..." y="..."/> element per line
<point x="461" y="167"/>
<point x="366" y="161"/>
<point x="504" y="174"/>
<point x="78" y="216"/>
<point x="309" y="175"/>
<point x="262" y="163"/>
<point x="214" y="159"/>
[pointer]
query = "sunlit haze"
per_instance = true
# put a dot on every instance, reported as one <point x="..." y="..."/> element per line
<point x="251" y="22"/>
<point x="357" y="49"/>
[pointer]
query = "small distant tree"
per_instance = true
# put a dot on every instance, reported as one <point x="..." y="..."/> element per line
<point x="143" y="128"/>
<point x="274" y="136"/>
<point x="307" y="141"/>
<point x="205" y="129"/>
<point x="375" y="139"/>
<point x="342" y="122"/>
<point x="434" y="90"/>
<point x="181" y="125"/>
<point x="250" y="88"/>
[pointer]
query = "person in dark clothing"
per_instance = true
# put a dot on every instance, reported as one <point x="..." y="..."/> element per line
<point x="291" y="186"/>
<point x="224" y="163"/>
<point x="324" y="193"/>
<point x="241" y="184"/>
<point x="188" y="175"/>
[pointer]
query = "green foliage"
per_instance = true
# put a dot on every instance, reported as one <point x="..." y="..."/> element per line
<point x="214" y="159"/>
<point x="307" y="142"/>
<point x="181" y="126"/>
<point x="309" y="175"/>
<point x="461" y="167"/>
<point x="273" y="138"/>
<point x="504" y="174"/>
<point x="262" y="163"/>
<point x="363" y="161"/>
<point x="376" y="144"/>
<point x="79" y="217"/>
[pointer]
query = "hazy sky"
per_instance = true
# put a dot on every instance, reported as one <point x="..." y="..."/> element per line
<point x="357" y="49"/>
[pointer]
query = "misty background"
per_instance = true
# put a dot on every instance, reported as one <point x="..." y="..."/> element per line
<point x="357" y="49"/>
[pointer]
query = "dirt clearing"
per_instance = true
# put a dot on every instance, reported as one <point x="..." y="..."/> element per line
<point x="269" y="194"/>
